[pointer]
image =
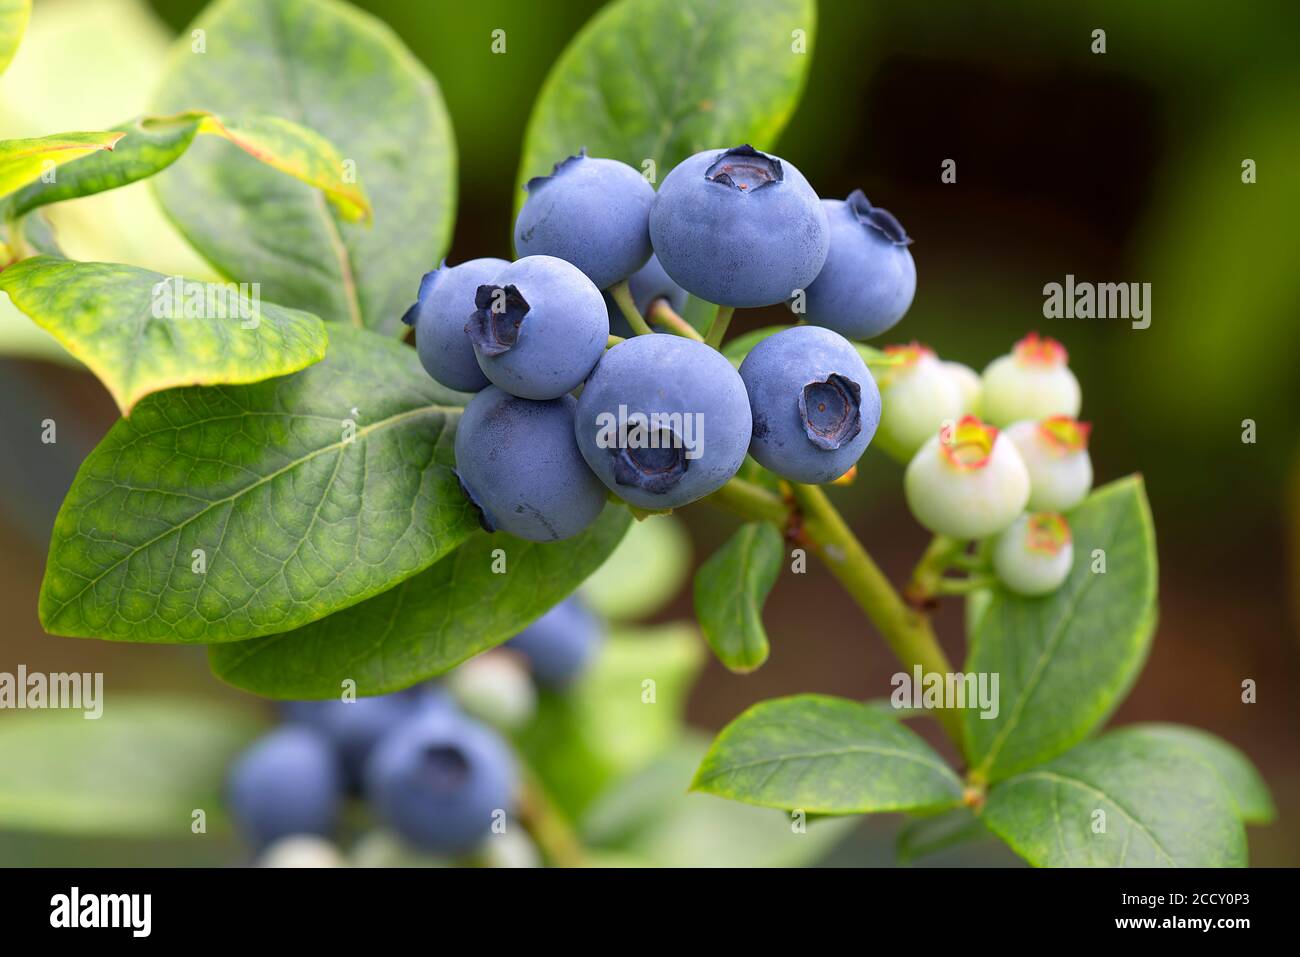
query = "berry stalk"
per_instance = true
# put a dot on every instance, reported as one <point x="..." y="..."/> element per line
<point x="662" y="314"/>
<point x="547" y="825"/>
<point x="623" y="296"/>
<point x="718" y="328"/>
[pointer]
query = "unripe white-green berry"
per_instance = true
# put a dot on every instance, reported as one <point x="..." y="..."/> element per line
<point x="510" y="848"/>
<point x="496" y="688"/>
<point x="967" y="481"/>
<point x="968" y="386"/>
<point x="301" y="850"/>
<point x="1034" y="556"/>
<point x="1055" y="451"/>
<point x="917" y="396"/>
<point x="381" y="848"/>
<point x="1033" y="382"/>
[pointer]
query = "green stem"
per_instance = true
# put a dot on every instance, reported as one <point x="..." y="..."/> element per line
<point x="963" y="586"/>
<point x="906" y="630"/>
<point x="662" y="314"/>
<point x="548" y="826"/>
<point x="751" y="502"/>
<point x="623" y="296"/>
<point x="938" y="557"/>
<point x="612" y="341"/>
<point x="718" y="328"/>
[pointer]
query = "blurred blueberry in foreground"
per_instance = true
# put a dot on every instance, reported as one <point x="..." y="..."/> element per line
<point x="288" y="782"/>
<point x="353" y="728"/>
<point x="439" y="780"/>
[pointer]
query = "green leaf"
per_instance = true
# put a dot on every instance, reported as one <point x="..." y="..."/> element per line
<point x="604" y="727"/>
<point x="648" y="817"/>
<point x="925" y="836"/>
<point x="300" y="495"/>
<point x="1163" y="807"/>
<point x="137" y="332"/>
<point x="825" y="755"/>
<point x="22" y="161"/>
<point x="152" y="143"/>
<point x="328" y="67"/>
<point x="660" y="80"/>
<point x="429" y="623"/>
<point x="13" y="22"/>
<point x="141" y="769"/>
<point x="1243" y="782"/>
<point x="730" y="589"/>
<point x="656" y="554"/>
<point x="1066" y="660"/>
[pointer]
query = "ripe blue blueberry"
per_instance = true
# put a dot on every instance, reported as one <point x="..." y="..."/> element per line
<point x="591" y="212"/>
<point x="560" y="644"/>
<point x="869" y="278"/>
<point x="538" y="328"/>
<point x="353" y="727"/>
<point x="439" y="316"/>
<point x="288" y="782"/>
<point x="439" y="779"/>
<point x="814" y="403"/>
<point x="739" y="228"/>
<point x="519" y="464"/>
<point x="647" y="284"/>
<point x="663" y="421"/>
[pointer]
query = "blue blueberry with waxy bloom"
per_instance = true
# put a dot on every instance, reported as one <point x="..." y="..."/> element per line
<point x="440" y="780"/>
<point x="445" y="303"/>
<point x="560" y="644"/>
<point x="289" y="782"/>
<point x="539" y="328"/>
<point x="663" y="421"/>
<point x="869" y="278"/>
<point x="591" y="212"/>
<point x="815" y="404"/>
<point x="739" y="228"/>
<point x="519" y="464"/>
<point x="353" y="727"/>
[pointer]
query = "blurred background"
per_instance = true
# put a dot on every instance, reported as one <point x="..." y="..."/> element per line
<point x="1117" y="167"/>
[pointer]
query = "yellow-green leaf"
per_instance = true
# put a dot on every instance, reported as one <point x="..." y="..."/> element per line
<point x="22" y="161"/>
<point x="155" y="142"/>
<point x="302" y="153"/>
<point x="141" y="331"/>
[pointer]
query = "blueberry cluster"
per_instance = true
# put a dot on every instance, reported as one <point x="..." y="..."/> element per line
<point x="660" y="420"/>
<point x="426" y="765"/>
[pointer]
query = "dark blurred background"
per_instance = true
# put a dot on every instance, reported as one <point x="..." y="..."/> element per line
<point x="1117" y="167"/>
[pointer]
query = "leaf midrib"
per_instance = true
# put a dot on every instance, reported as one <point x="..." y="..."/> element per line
<point x="360" y="434"/>
<point x="944" y="771"/>
<point x="1057" y="778"/>
<point x="1044" y="659"/>
<point x="342" y="254"/>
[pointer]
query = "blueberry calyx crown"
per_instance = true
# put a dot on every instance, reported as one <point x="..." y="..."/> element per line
<point x="445" y="768"/>
<point x="745" y="168"/>
<point x="655" y="467"/>
<point x="499" y="312"/>
<point x="831" y="411"/>
<point x="427" y="282"/>
<point x="881" y="220"/>
<point x="538" y="181"/>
